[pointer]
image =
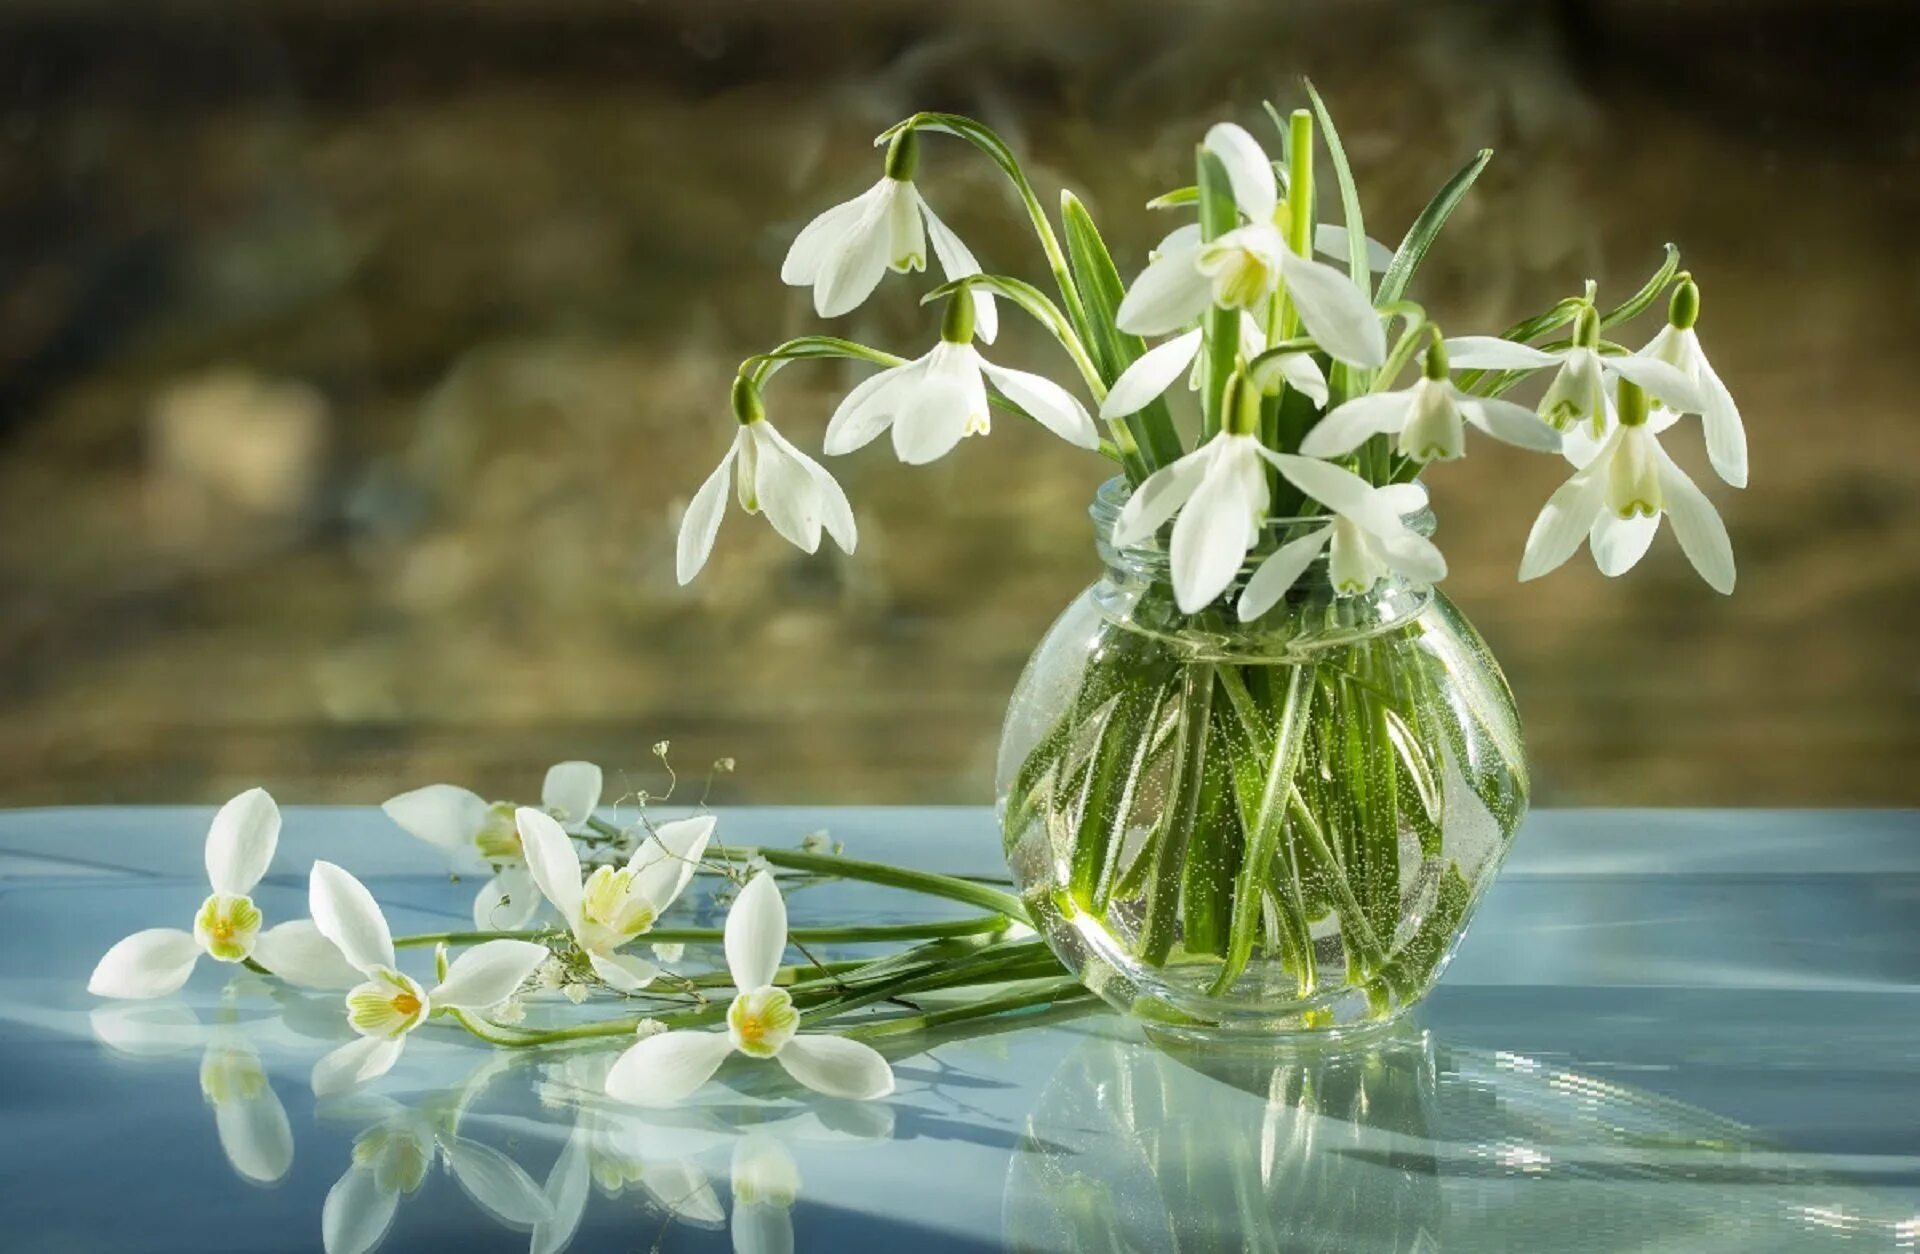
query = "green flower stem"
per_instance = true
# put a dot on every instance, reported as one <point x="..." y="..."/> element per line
<point x="1034" y="302"/>
<point x="927" y="883"/>
<point x="850" y="935"/>
<point x="1060" y="992"/>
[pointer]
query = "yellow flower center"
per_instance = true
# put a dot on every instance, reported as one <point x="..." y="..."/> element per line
<point x="226" y="927"/>
<point x="762" y="1021"/>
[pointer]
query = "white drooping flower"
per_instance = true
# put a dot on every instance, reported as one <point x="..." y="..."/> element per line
<point x="1246" y="266"/>
<point x="761" y="1023"/>
<point x="937" y="399"/>
<point x="1615" y="502"/>
<point x="795" y="492"/>
<point x="843" y="253"/>
<point x="391" y="1004"/>
<point x="1578" y="392"/>
<point x="1368" y="537"/>
<point x="614" y="907"/>
<point x="1220" y="493"/>
<point x="1427" y="420"/>
<point x="1678" y="345"/>
<point x="240" y="845"/>
<point x="1158" y="368"/>
<point x="462" y="822"/>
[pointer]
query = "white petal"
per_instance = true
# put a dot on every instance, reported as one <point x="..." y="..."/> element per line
<point x="551" y="860"/>
<point x="756" y="933"/>
<point x="1279" y="572"/>
<point x="241" y="841"/>
<point x="496" y="1183"/>
<point x="866" y="411"/>
<point x="1338" y="489"/>
<point x="1151" y="375"/>
<point x="852" y="267"/>
<point x="1158" y="497"/>
<point x="1567" y="517"/>
<point x="488" y="974"/>
<point x="1299" y="371"/>
<point x="627" y="973"/>
<point x="1619" y="543"/>
<point x="826" y="503"/>
<point x="297" y="953"/>
<point x="837" y="1067"/>
<point x="357" y="1213"/>
<point x="571" y="793"/>
<point x="1350" y="425"/>
<point x="1339" y="318"/>
<point x="1331" y="241"/>
<point x="933" y="419"/>
<point x="1179" y="239"/>
<point x="346" y="914"/>
<point x="355" y="1063"/>
<point x="1056" y="409"/>
<point x="1248" y="170"/>
<point x="664" y="864"/>
<point x="152" y="963"/>
<point x="957" y="261"/>
<point x="1412" y="555"/>
<point x="1210" y="539"/>
<point x="507" y="902"/>
<point x="785" y="492"/>
<point x="1580" y="446"/>
<point x="819" y="239"/>
<point x="1660" y="381"/>
<point x="1170" y="293"/>
<point x="439" y="814"/>
<point x="1697" y="525"/>
<point x="1514" y="424"/>
<point x="663" y="1069"/>
<point x="700" y="526"/>
<point x="1490" y="352"/>
<point x="1726" y="434"/>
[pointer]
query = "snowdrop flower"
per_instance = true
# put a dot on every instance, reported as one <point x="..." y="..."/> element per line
<point x="797" y="494"/>
<point x="935" y="400"/>
<point x="1368" y="537"/>
<point x="1244" y="267"/>
<point x="389" y="1004"/>
<point x="1578" y="392"/>
<point x="455" y="819"/>
<point x="1157" y="369"/>
<point x="1428" y="420"/>
<point x="843" y="252"/>
<point x="1615" y="502"/>
<point x="1678" y="345"/>
<point x="240" y="845"/>
<point x="614" y="907"/>
<point x="761" y="1023"/>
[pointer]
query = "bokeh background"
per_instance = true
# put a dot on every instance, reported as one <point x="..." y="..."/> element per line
<point x="357" y="358"/>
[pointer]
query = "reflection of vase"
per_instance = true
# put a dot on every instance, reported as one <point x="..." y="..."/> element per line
<point x="1402" y="1144"/>
<point x="1265" y="828"/>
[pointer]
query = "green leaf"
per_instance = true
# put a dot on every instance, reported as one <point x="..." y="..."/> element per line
<point x="1349" y="195"/>
<point x="1637" y="304"/>
<point x="1425" y="229"/>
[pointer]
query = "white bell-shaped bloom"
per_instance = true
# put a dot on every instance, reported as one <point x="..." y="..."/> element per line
<point x="797" y="494"/>
<point x="1719" y="415"/>
<point x="1157" y="369"/>
<point x="226" y="928"/>
<point x="934" y="401"/>
<point x="1615" y="502"/>
<point x="1248" y="265"/>
<point x="1428" y="422"/>
<point x="1582" y="380"/>
<point x="761" y="1023"/>
<point x="1368" y="538"/>
<point x="464" y="823"/>
<point x="1220" y="493"/>
<point x="614" y="907"/>
<point x="391" y="1004"/>
<point x="843" y="253"/>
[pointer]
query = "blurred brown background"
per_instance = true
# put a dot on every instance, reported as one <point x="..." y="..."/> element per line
<point x="357" y="357"/>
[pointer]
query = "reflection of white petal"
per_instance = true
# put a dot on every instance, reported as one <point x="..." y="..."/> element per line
<point x="756" y="933"/>
<point x="255" y="1134"/>
<point x="145" y="1030"/>
<point x="346" y="914"/>
<point x="297" y="953"/>
<point x="662" y="1070"/>
<point x="762" y="1228"/>
<point x="571" y="792"/>
<point x="241" y="842"/>
<point x="488" y="974"/>
<point x="496" y="1183"/>
<point x="355" y="1063"/>
<point x="357" y="1213"/>
<point x="439" y="814"/>
<point x="681" y="1188"/>
<point x="566" y="1192"/>
<point x="152" y="963"/>
<point x="837" y="1067"/>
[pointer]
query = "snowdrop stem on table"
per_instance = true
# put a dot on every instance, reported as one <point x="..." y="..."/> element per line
<point x="849" y="935"/>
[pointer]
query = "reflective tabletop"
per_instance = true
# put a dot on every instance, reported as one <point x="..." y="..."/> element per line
<point x="1665" y="1030"/>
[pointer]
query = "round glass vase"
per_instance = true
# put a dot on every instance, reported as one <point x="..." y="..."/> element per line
<point x="1262" y="829"/>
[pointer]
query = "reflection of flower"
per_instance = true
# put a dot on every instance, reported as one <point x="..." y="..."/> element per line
<point x="391" y="1004"/>
<point x="248" y="1116"/>
<point x="761" y="1023"/>
<point x="455" y="819"/>
<point x="614" y="906"/>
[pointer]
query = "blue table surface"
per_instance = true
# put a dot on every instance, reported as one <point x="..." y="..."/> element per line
<point x="1666" y="1029"/>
